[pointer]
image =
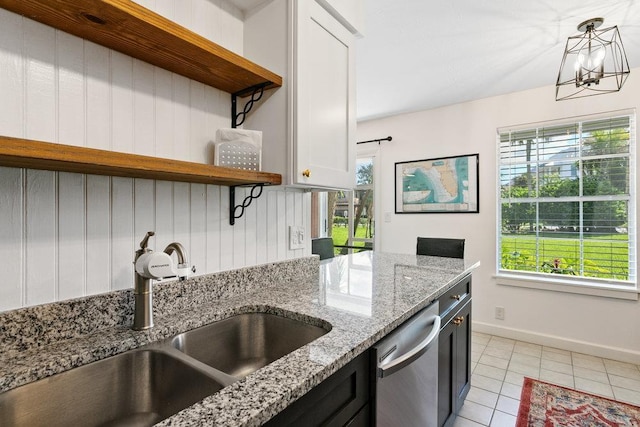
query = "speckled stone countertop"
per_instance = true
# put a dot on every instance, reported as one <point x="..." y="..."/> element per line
<point x="363" y="297"/>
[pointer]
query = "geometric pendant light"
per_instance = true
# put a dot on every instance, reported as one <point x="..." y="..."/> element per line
<point x="594" y="62"/>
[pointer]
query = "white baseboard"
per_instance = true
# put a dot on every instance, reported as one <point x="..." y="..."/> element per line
<point x="593" y="349"/>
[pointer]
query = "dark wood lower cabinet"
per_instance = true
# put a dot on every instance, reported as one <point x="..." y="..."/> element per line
<point x="346" y="398"/>
<point x="454" y="364"/>
<point x="339" y="400"/>
<point x="362" y="418"/>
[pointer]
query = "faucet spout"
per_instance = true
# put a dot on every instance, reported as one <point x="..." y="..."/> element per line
<point x="180" y="251"/>
<point x="183" y="263"/>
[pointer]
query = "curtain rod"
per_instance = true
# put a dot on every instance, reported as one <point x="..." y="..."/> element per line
<point x="375" y="140"/>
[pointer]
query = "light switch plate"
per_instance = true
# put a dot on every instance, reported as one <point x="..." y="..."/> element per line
<point x="296" y="237"/>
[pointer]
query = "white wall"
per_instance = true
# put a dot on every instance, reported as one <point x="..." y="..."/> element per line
<point x="66" y="235"/>
<point x="602" y="325"/>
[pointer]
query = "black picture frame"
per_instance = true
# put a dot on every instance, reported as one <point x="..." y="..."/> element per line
<point x="438" y="185"/>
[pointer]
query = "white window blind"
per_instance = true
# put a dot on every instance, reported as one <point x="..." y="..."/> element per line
<point x="567" y="199"/>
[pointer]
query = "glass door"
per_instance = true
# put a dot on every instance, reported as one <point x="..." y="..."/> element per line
<point x="361" y="220"/>
<point x="348" y="216"/>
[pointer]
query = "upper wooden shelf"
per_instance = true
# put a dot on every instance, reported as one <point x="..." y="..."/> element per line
<point x="24" y="153"/>
<point x="129" y="28"/>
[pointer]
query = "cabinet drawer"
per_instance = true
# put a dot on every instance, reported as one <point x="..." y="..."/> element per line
<point x="454" y="298"/>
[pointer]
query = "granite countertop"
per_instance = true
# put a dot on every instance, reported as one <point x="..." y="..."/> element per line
<point x="362" y="296"/>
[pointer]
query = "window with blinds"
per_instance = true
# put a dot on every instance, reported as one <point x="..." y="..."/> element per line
<point x="567" y="199"/>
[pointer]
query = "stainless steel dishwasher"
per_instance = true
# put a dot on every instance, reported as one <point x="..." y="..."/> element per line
<point x="407" y="372"/>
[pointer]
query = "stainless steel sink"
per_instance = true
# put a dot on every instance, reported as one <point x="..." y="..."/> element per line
<point x="137" y="388"/>
<point x="245" y="343"/>
<point x="144" y="386"/>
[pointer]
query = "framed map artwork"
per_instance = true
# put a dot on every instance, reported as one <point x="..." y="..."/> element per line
<point x="442" y="185"/>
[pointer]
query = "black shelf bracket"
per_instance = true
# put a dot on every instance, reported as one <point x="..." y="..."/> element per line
<point x="238" y="118"/>
<point x="233" y="208"/>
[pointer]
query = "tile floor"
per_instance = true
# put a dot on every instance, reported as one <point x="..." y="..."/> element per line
<point x="499" y="366"/>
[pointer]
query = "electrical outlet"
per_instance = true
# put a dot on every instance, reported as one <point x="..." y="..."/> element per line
<point x="500" y="313"/>
<point x="296" y="237"/>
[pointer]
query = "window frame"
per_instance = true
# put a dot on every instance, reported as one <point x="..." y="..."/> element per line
<point x="625" y="289"/>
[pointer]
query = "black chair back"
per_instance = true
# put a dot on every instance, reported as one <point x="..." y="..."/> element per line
<point x="322" y="246"/>
<point x="450" y="248"/>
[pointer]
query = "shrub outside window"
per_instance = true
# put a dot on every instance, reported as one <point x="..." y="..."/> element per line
<point x="567" y="199"/>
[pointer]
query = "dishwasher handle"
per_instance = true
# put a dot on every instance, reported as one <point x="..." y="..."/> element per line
<point x="397" y="363"/>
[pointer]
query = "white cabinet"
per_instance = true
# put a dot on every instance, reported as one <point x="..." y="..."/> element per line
<point x="349" y="12"/>
<point x="309" y="124"/>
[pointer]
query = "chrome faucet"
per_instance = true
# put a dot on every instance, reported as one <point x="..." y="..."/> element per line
<point x="154" y="265"/>
<point x="183" y="267"/>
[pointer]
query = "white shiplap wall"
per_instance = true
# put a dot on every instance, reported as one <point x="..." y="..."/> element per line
<point x="65" y="235"/>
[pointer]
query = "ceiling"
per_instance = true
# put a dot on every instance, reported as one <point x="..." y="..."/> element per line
<point x="422" y="54"/>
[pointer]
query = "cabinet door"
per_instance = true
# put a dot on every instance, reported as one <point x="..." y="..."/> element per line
<point x="324" y="100"/>
<point x="462" y="375"/>
<point x="349" y="12"/>
<point x="446" y="374"/>
<point x="454" y="365"/>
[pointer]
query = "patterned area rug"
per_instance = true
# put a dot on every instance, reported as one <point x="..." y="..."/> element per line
<point x="547" y="405"/>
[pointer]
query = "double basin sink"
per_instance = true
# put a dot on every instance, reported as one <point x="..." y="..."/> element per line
<point x="144" y="386"/>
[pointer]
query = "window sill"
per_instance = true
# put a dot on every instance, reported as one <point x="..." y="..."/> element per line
<point x="559" y="285"/>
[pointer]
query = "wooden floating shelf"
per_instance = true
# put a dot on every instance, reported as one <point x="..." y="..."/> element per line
<point x="24" y="153"/>
<point x="132" y="29"/>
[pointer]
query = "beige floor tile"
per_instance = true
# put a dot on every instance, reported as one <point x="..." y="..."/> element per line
<point x="480" y="338"/>
<point x="526" y="359"/>
<point x="501" y="342"/>
<point x="622" y="369"/>
<point x="502" y="353"/>
<point x="478" y="348"/>
<point x="624" y="382"/>
<point x="502" y="419"/>
<point x="609" y="363"/>
<point x="594" y="387"/>
<point x="556" y="378"/>
<point x="555" y="350"/>
<point x="476" y="412"/>
<point x="494" y="361"/>
<point x="483" y="397"/>
<point x="486" y="383"/>
<point x="527" y="348"/>
<point x="589" y="362"/>
<point x="516" y="378"/>
<point x="511" y="390"/>
<point x="626" y="395"/>
<point x="557" y="357"/>
<point x="508" y="405"/>
<point x="475" y="355"/>
<point x="590" y="374"/>
<point x="529" y="370"/>
<point x="490" y="371"/>
<point x="556" y="366"/>
<point x="463" y="422"/>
